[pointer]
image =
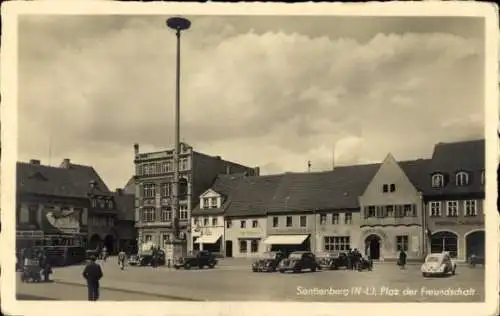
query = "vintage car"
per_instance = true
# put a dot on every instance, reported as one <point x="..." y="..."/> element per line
<point x="332" y="260"/>
<point x="475" y="260"/>
<point x="268" y="262"/>
<point x="438" y="264"/>
<point x="146" y="259"/>
<point x="298" y="261"/>
<point x="198" y="259"/>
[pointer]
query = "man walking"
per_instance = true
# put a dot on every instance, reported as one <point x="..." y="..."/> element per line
<point x="402" y="259"/>
<point x="92" y="273"/>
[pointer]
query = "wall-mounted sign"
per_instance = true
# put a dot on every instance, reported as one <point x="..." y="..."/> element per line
<point x="252" y="232"/>
<point x="459" y="222"/>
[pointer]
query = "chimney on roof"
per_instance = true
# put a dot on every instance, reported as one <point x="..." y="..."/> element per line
<point x="136" y="149"/>
<point x="218" y="157"/>
<point x="34" y="161"/>
<point x="256" y="171"/>
<point x="119" y="191"/>
<point x="228" y="169"/>
<point x="66" y="163"/>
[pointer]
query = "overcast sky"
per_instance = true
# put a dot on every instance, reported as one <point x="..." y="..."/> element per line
<point x="272" y="92"/>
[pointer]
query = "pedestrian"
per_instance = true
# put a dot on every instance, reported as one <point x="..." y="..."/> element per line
<point x="44" y="265"/>
<point x="104" y="253"/>
<point x="93" y="274"/>
<point x="121" y="259"/>
<point x="402" y="259"/>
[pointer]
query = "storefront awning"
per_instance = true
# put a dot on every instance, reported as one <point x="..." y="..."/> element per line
<point x="208" y="239"/>
<point x="285" y="239"/>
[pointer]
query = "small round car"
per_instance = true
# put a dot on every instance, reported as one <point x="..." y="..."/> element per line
<point x="438" y="264"/>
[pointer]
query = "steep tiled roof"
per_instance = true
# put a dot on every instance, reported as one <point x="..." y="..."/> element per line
<point x="416" y="171"/>
<point x="58" y="181"/>
<point x="449" y="158"/>
<point x="337" y="189"/>
<point x="224" y="184"/>
<point x="253" y="195"/>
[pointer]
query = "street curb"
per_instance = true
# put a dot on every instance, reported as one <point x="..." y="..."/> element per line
<point x="172" y="297"/>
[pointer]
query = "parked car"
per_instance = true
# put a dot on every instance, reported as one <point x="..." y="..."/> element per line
<point x="438" y="264"/>
<point x="198" y="259"/>
<point x="475" y="260"/>
<point x="299" y="261"/>
<point x="268" y="262"/>
<point x="332" y="260"/>
<point x="146" y="258"/>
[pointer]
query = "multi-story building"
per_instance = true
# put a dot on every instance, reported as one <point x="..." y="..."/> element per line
<point x="125" y="221"/>
<point x="454" y="199"/>
<point x="153" y="191"/>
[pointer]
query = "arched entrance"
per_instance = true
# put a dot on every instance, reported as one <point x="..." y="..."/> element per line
<point x="444" y="241"/>
<point x="474" y="243"/>
<point x="109" y="243"/>
<point x="372" y="246"/>
<point x="95" y="242"/>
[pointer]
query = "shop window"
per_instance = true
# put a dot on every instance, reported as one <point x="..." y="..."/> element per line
<point x="254" y="245"/>
<point x="243" y="246"/>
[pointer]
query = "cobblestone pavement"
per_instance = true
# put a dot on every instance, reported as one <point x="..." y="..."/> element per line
<point x="233" y="280"/>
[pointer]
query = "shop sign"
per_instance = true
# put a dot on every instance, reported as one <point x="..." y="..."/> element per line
<point x="459" y="222"/>
<point x="250" y="232"/>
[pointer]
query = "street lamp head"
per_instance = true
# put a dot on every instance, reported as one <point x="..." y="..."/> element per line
<point x="178" y="23"/>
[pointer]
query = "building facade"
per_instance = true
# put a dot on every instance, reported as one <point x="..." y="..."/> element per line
<point x="391" y="212"/>
<point x="54" y="204"/>
<point x="154" y="188"/>
<point x="454" y="199"/>
<point x="208" y="224"/>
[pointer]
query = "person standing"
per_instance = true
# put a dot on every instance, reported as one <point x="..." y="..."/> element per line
<point x="93" y="274"/>
<point x="104" y="253"/>
<point x="121" y="259"/>
<point x="402" y="259"/>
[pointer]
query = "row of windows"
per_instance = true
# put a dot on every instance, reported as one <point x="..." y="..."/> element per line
<point x="101" y="221"/>
<point x="243" y="223"/>
<point x="210" y="203"/>
<point x="343" y="243"/>
<point x="336" y="218"/>
<point x="166" y="189"/>
<point x="254" y="245"/>
<point x="102" y="203"/>
<point x="462" y="179"/>
<point x="158" y="168"/>
<point x="206" y="221"/>
<point x="148" y="214"/>
<point x="452" y="208"/>
<point x="399" y="211"/>
<point x="289" y="221"/>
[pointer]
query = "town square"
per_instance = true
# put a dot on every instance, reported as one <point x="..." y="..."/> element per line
<point x="238" y="158"/>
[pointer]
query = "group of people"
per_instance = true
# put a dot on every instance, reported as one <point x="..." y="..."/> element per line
<point x="34" y="264"/>
<point x="355" y="259"/>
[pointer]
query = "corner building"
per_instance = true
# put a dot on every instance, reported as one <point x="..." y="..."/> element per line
<point x="454" y="199"/>
<point x="154" y="189"/>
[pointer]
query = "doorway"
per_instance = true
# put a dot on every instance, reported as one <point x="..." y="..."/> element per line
<point x="372" y="247"/>
<point x="229" y="248"/>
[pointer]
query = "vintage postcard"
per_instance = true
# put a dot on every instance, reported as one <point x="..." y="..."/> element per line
<point x="220" y="159"/>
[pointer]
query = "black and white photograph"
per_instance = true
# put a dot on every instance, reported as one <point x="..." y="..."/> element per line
<point x="255" y="153"/>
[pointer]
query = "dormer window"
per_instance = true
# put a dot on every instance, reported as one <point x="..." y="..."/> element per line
<point x="213" y="202"/>
<point x="206" y="202"/>
<point x="437" y="180"/>
<point x="462" y="179"/>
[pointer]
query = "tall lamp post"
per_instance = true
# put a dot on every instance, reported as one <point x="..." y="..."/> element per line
<point x="178" y="24"/>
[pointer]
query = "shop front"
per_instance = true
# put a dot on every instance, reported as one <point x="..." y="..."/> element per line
<point x="244" y="237"/>
<point x="288" y="243"/>
<point x="210" y="239"/>
<point x="461" y="238"/>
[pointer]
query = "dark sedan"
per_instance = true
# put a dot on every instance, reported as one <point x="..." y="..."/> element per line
<point x="268" y="262"/>
<point x="299" y="261"/>
<point x="332" y="260"/>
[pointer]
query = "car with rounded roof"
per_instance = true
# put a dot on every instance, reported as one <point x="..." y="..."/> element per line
<point x="438" y="264"/>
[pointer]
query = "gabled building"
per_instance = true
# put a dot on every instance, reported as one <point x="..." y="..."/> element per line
<point x="391" y="210"/>
<point x="62" y="205"/>
<point x="454" y="195"/>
